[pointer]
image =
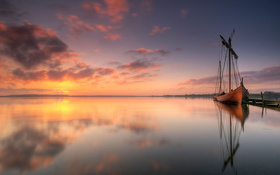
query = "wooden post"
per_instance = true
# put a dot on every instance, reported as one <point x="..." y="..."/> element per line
<point x="262" y="99"/>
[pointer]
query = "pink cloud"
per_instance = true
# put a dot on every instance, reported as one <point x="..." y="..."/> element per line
<point x="157" y="30"/>
<point x="104" y="28"/>
<point x="112" y="36"/>
<point x="113" y="9"/>
<point x="75" y="24"/>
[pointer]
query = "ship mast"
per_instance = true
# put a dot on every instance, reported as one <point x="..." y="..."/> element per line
<point x="220" y="75"/>
<point x="230" y="52"/>
<point x="229" y="65"/>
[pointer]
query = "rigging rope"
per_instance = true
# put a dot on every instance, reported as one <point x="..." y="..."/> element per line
<point x="224" y="84"/>
<point x="238" y="70"/>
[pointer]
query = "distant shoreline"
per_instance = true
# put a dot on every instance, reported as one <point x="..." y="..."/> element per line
<point x="255" y="95"/>
<point x="167" y="96"/>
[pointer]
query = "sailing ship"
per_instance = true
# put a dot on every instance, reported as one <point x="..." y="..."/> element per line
<point x="227" y="94"/>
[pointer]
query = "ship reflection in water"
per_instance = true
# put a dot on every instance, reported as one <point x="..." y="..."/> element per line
<point x="122" y="136"/>
<point x="231" y="120"/>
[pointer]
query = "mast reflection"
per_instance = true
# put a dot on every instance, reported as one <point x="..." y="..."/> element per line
<point x="231" y="119"/>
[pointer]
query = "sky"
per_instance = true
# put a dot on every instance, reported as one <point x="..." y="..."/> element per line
<point x="134" y="47"/>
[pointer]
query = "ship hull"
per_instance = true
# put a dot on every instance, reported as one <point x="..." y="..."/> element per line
<point x="236" y="96"/>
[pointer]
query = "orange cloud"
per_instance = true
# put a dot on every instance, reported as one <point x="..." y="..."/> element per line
<point x="112" y="36"/>
<point x="141" y="51"/>
<point x="113" y="9"/>
<point x="75" y="24"/>
<point x="157" y="30"/>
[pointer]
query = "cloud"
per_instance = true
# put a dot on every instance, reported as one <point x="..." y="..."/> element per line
<point x="184" y="13"/>
<point x="128" y="78"/>
<point x="35" y="76"/>
<point x="139" y="65"/>
<point x="157" y="30"/>
<point x="105" y="71"/>
<point x="204" y="80"/>
<point x="58" y="75"/>
<point x="269" y="74"/>
<point x="81" y="65"/>
<point x="141" y="51"/>
<point x="9" y="10"/>
<point x="75" y="24"/>
<point x="114" y="62"/>
<point x="32" y="45"/>
<point x="70" y="75"/>
<point x="112" y="36"/>
<point x="78" y="72"/>
<point x="112" y="9"/>
<point x="104" y="28"/>
<point x="143" y="76"/>
<point x="162" y="52"/>
<point x="9" y="90"/>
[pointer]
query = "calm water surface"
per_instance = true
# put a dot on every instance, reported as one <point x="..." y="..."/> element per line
<point x="136" y="136"/>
